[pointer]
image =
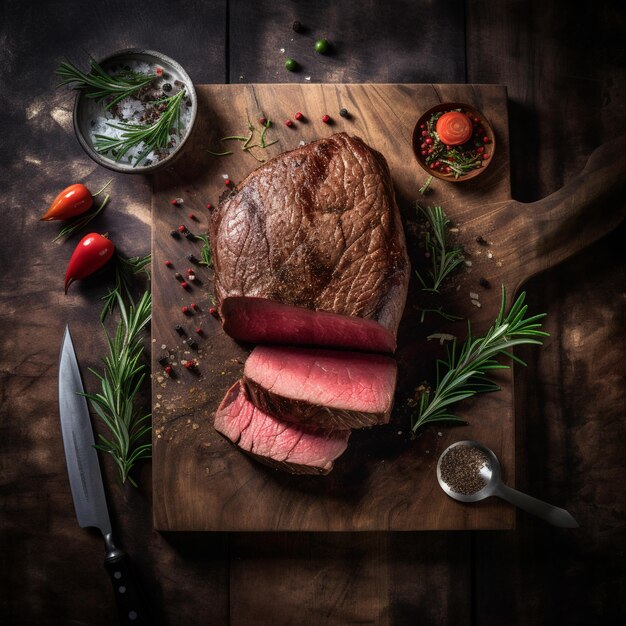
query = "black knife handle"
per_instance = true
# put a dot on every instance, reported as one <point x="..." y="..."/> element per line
<point x="131" y="606"/>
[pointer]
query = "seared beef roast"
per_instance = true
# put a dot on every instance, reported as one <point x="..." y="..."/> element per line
<point x="325" y="388"/>
<point x="299" y="450"/>
<point x="309" y="250"/>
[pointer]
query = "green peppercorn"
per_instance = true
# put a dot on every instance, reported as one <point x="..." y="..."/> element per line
<point x="290" y="65"/>
<point x="321" y="46"/>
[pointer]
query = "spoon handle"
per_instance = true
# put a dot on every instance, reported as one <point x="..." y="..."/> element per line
<point x="547" y="512"/>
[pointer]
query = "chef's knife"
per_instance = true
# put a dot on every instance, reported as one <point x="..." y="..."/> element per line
<point x="86" y="484"/>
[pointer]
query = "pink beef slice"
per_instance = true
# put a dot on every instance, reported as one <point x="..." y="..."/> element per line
<point x="282" y="445"/>
<point x="309" y="249"/>
<point x="325" y="388"/>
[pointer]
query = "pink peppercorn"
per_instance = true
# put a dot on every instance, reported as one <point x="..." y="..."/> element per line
<point x="192" y="216"/>
<point x="168" y="369"/>
<point x="182" y="228"/>
<point x="227" y="182"/>
<point x="185" y="310"/>
<point x="168" y="264"/>
<point x="184" y="285"/>
<point x="326" y="119"/>
<point x="288" y="123"/>
<point x="299" y="116"/>
<point x="209" y="206"/>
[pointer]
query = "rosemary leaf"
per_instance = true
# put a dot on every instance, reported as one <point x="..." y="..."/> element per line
<point x="443" y="258"/>
<point x="464" y="372"/>
<point x="205" y="252"/>
<point x="125" y="269"/>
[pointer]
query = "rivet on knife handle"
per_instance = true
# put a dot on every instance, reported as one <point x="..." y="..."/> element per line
<point x="131" y="606"/>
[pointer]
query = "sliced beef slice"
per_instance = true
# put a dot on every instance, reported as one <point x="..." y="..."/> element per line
<point x="309" y="249"/>
<point x="282" y="445"/>
<point x="326" y="388"/>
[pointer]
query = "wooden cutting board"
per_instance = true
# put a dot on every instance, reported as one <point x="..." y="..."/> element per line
<point x="386" y="479"/>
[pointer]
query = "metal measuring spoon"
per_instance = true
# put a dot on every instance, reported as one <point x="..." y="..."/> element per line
<point x="494" y="486"/>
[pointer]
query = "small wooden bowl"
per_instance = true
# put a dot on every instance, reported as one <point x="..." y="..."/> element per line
<point x="451" y="106"/>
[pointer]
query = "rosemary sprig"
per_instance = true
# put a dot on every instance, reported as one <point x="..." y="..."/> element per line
<point x="464" y="372"/>
<point x="205" y="251"/>
<point x="443" y="258"/>
<point x="125" y="269"/>
<point x="439" y="311"/>
<point x="154" y="137"/>
<point x="425" y="187"/>
<point x="99" y="85"/>
<point x="120" y="382"/>
<point x="246" y="141"/>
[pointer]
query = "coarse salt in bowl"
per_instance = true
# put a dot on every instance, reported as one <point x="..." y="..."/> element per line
<point x="91" y="118"/>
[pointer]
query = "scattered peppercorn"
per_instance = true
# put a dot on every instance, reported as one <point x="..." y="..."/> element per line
<point x="344" y="113"/>
<point x="209" y="206"/>
<point x="159" y="71"/>
<point x="326" y="119"/>
<point x="178" y="276"/>
<point x="191" y="216"/>
<point x="192" y="343"/>
<point x="299" y="116"/>
<point x="480" y="241"/>
<point x="262" y="121"/>
<point x="190" y="236"/>
<point x="190" y="364"/>
<point x="227" y="182"/>
<point x="180" y="330"/>
<point x="213" y="311"/>
<point x="321" y="46"/>
<point x="175" y="234"/>
<point x="194" y="306"/>
<point x="199" y="331"/>
<point x="168" y="370"/>
<point x="297" y="27"/>
<point x="168" y="264"/>
<point x="191" y="278"/>
<point x="167" y="87"/>
<point x="288" y="123"/>
<point x="177" y="201"/>
<point x="185" y="310"/>
<point x="483" y="282"/>
<point x="182" y="228"/>
<point x="184" y="285"/>
<point x="191" y="258"/>
<point x="291" y="65"/>
<point x="164" y="359"/>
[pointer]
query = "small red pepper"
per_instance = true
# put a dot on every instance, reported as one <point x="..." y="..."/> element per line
<point x="72" y="201"/>
<point x="92" y="252"/>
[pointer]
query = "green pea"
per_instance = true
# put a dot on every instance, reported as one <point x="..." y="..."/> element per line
<point x="290" y="65"/>
<point x="321" y="46"/>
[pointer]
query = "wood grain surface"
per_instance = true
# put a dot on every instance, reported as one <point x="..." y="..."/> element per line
<point x="386" y="480"/>
<point x="564" y="67"/>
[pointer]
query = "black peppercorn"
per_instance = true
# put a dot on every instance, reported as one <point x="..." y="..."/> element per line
<point x="164" y="360"/>
<point x="480" y="241"/>
<point x="192" y="343"/>
<point x="344" y="113"/>
<point x="192" y="258"/>
<point x="175" y="234"/>
<point x="483" y="282"/>
<point x="180" y="330"/>
<point x="167" y="87"/>
<point x="190" y="236"/>
<point x="297" y="27"/>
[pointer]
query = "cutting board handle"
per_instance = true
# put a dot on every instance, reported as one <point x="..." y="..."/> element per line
<point x="583" y="211"/>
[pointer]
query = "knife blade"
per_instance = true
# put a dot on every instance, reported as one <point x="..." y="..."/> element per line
<point x="87" y="488"/>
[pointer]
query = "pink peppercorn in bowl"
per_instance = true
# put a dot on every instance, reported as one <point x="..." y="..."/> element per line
<point x="471" y="142"/>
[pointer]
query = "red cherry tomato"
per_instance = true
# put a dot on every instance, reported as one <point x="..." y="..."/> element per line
<point x="454" y="128"/>
<point x="72" y="201"/>
<point x="92" y="252"/>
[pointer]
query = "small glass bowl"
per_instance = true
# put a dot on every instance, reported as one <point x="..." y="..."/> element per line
<point x="86" y="109"/>
<point x="453" y="106"/>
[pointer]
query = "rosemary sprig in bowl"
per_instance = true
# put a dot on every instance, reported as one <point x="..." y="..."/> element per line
<point x="153" y="137"/>
<point x="465" y="372"/>
<point x="100" y="85"/>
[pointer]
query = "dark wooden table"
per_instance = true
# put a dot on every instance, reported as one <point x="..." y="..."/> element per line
<point x="564" y="67"/>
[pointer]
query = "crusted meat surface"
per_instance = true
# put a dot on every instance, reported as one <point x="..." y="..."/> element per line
<point x="314" y="230"/>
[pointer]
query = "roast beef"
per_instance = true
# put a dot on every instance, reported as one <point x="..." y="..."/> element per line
<point x="285" y="446"/>
<point x="309" y="250"/>
<point x="325" y="388"/>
